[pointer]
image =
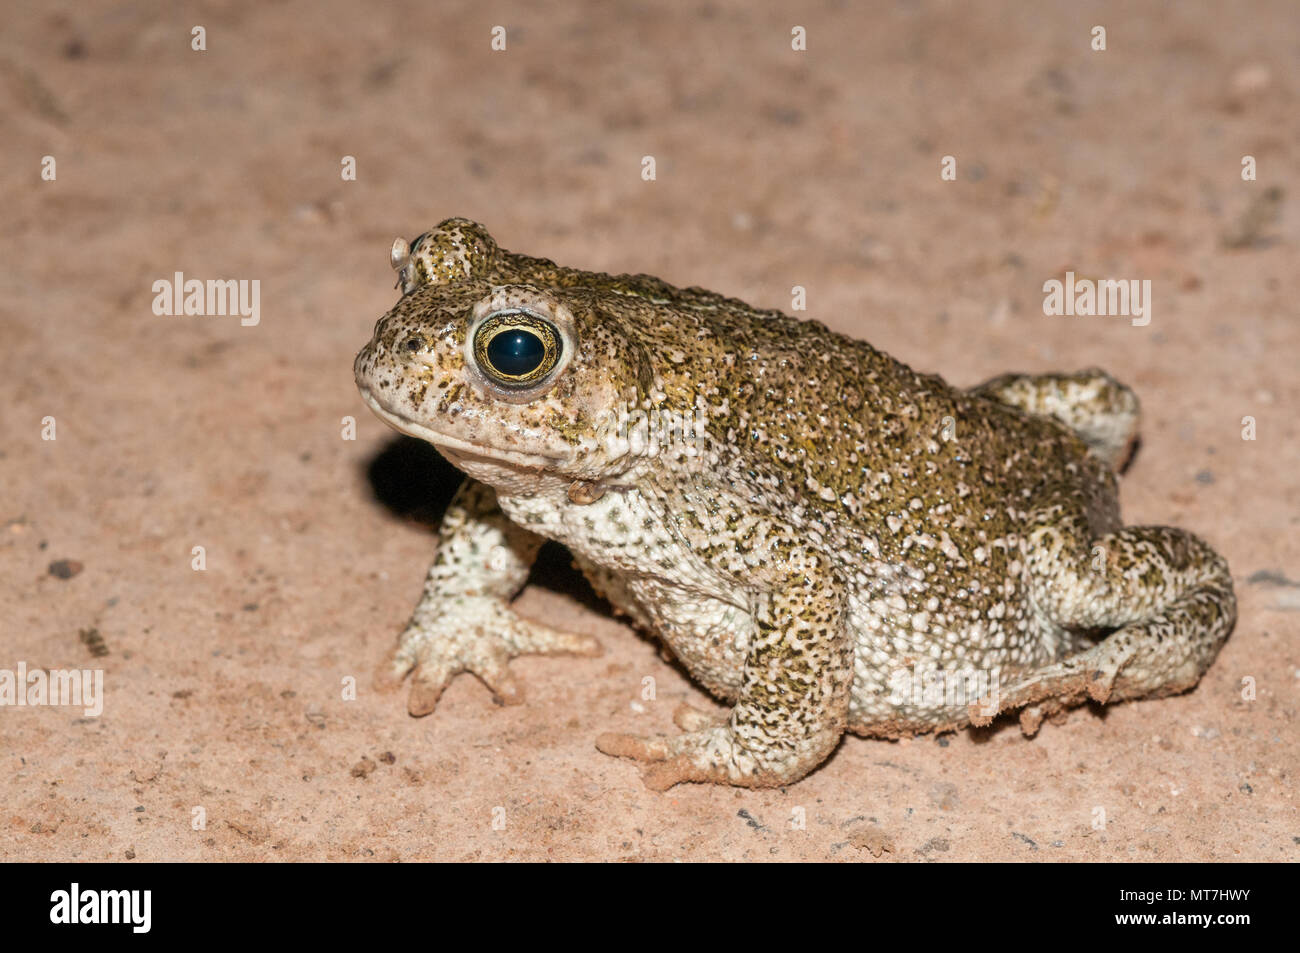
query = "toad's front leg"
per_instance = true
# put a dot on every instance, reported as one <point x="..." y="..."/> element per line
<point x="464" y="622"/>
<point x="793" y="702"/>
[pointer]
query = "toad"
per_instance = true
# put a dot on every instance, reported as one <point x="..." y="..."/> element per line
<point x="826" y="539"/>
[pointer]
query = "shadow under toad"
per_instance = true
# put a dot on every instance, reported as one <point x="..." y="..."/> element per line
<point x="414" y="481"/>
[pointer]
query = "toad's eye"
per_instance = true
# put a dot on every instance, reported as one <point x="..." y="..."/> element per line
<point x="516" y="348"/>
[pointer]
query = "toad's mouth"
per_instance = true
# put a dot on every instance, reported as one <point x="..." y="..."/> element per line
<point x="456" y="448"/>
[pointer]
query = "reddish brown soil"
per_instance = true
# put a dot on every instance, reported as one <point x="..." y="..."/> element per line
<point x="775" y="169"/>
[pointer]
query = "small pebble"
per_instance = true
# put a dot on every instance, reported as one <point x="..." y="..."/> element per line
<point x="65" y="568"/>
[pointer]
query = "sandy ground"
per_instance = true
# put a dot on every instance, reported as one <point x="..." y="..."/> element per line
<point x="225" y="733"/>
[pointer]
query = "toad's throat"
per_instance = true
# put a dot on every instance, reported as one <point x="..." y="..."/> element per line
<point x="454" y="447"/>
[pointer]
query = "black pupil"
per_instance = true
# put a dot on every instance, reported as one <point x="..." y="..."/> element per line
<point x="516" y="352"/>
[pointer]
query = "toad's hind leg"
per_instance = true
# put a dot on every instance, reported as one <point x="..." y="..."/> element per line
<point x="1093" y="404"/>
<point x="1166" y="595"/>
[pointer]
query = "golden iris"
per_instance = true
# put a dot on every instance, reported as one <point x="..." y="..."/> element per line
<point x="516" y="348"/>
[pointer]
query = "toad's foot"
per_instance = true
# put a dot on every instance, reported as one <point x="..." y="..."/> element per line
<point x="464" y="622"/>
<point x="1093" y="404"/>
<point x="705" y="754"/>
<point x="478" y="635"/>
<point x="672" y="763"/>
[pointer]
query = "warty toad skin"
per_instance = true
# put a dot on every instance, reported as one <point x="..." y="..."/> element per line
<point x="825" y="538"/>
